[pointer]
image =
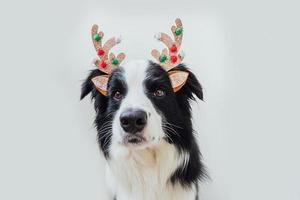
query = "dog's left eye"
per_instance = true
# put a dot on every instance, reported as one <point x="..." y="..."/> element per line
<point x="118" y="96"/>
<point x="159" y="93"/>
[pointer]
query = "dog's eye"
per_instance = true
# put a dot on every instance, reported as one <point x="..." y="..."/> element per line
<point x="159" y="93"/>
<point x="118" y="96"/>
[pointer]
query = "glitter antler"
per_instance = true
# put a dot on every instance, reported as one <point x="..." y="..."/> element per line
<point x="170" y="56"/>
<point x="108" y="61"/>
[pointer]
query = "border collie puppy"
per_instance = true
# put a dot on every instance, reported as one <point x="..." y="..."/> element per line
<point x="145" y="132"/>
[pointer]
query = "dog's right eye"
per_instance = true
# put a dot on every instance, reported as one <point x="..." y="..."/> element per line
<point x="159" y="93"/>
<point x="118" y="96"/>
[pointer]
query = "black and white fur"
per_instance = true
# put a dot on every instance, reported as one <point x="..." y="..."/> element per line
<point x="166" y="165"/>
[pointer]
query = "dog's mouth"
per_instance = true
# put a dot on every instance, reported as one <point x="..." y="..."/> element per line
<point x="134" y="140"/>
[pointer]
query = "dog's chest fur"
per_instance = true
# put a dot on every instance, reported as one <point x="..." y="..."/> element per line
<point x="145" y="174"/>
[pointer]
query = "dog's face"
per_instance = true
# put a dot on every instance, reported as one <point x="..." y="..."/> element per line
<point x="141" y="108"/>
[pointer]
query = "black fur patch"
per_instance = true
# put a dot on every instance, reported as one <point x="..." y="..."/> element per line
<point x="105" y="106"/>
<point x="176" y="111"/>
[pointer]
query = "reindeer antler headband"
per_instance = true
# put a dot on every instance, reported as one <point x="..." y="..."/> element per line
<point x="108" y="61"/>
<point x="168" y="59"/>
<point x="171" y="56"/>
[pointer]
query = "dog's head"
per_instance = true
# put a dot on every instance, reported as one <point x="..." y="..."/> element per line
<point x="142" y="103"/>
<point x="141" y="107"/>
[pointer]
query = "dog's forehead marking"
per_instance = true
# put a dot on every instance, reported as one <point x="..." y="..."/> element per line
<point x="135" y="72"/>
<point x="134" y="75"/>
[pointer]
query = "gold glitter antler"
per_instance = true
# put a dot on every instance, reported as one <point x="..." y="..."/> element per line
<point x="108" y="61"/>
<point x="170" y="56"/>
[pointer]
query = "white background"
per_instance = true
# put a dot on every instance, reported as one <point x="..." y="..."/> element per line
<point x="245" y="54"/>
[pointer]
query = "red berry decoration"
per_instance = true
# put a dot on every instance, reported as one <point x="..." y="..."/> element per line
<point x="103" y="64"/>
<point x="101" y="52"/>
<point x="173" y="48"/>
<point x="174" y="59"/>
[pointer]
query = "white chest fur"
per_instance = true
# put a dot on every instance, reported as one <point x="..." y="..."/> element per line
<point x="144" y="174"/>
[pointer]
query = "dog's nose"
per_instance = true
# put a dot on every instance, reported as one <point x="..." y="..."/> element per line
<point x="133" y="121"/>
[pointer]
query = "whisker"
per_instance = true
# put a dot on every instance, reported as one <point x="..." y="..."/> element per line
<point x="105" y="123"/>
<point x="106" y="142"/>
<point x="108" y="114"/>
<point x="108" y="133"/>
<point x="170" y="129"/>
<point x="168" y="137"/>
<point x="172" y="125"/>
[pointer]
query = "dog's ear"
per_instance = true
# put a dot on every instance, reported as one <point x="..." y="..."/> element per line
<point x="194" y="85"/>
<point x="191" y="85"/>
<point x="100" y="83"/>
<point x="88" y="85"/>
<point x="178" y="79"/>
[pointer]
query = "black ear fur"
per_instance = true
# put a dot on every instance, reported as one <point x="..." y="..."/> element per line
<point x="192" y="85"/>
<point x="88" y="86"/>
